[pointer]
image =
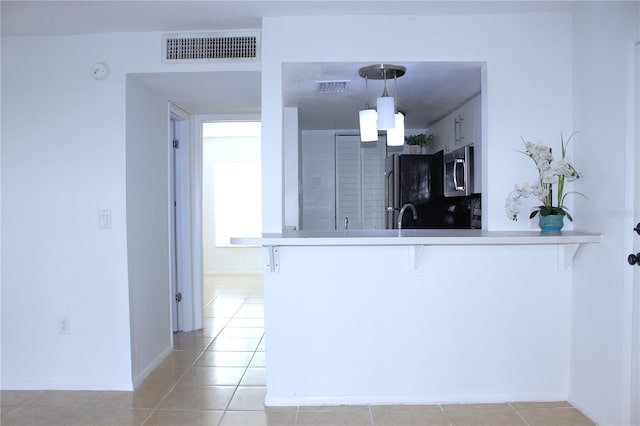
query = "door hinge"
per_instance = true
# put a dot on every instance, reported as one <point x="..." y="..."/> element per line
<point x="178" y="297"/>
<point x="176" y="144"/>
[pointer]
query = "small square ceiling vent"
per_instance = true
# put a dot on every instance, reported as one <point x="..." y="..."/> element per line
<point x="332" y="86"/>
<point x="216" y="46"/>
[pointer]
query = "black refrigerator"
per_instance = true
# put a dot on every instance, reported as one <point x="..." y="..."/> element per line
<point x="418" y="180"/>
<point x="415" y="180"/>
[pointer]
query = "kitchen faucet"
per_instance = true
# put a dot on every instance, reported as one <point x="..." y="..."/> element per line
<point x="401" y="214"/>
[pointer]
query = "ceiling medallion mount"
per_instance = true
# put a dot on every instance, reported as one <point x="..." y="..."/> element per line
<point x="382" y="71"/>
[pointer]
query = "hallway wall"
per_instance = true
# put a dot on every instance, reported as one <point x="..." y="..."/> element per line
<point x="64" y="143"/>
<point x="148" y="227"/>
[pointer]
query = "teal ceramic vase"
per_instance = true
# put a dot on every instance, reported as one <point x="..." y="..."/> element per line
<point x="551" y="224"/>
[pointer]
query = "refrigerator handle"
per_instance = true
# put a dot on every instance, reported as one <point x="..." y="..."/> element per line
<point x="390" y="193"/>
<point x="455" y="173"/>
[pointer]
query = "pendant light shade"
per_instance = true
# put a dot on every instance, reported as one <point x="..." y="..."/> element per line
<point x="386" y="110"/>
<point x="368" y="126"/>
<point x="395" y="136"/>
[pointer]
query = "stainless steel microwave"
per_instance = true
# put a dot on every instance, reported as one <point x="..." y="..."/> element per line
<point x="458" y="172"/>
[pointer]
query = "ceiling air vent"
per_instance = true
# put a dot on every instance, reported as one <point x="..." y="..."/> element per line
<point x="332" y="86"/>
<point x="218" y="46"/>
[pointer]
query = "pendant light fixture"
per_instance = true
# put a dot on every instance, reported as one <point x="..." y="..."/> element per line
<point x="387" y="118"/>
<point x="368" y="118"/>
<point x="386" y="107"/>
<point x="395" y="136"/>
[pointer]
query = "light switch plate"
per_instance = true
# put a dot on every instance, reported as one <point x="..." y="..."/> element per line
<point x="104" y="217"/>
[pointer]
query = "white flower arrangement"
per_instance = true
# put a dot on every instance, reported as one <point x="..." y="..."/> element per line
<point x="550" y="172"/>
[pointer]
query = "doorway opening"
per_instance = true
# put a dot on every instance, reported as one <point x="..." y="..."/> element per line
<point x="232" y="206"/>
<point x="228" y="155"/>
<point x="229" y="349"/>
<point x="220" y="166"/>
<point x="231" y="195"/>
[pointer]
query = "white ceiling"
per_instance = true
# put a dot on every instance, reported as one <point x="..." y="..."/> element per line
<point x="220" y="92"/>
<point x="426" y="92"/>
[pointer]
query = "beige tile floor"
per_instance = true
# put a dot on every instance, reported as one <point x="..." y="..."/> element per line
<point x="216" y="376"/>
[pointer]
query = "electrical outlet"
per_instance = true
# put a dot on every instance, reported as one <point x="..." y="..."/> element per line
<point x="63" y="325"/>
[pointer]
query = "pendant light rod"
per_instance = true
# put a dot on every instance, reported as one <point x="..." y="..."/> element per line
<point x="366" y="92"/>
<point x="384" y="92"/>
<point x="395" y="93"/>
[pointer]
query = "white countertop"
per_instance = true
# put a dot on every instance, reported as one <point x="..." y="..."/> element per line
<point x="394" y="237"/>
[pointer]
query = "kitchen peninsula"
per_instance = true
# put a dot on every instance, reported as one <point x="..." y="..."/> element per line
<point x="417" y="316"/>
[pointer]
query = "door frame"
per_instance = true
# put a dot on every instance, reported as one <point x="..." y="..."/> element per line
<point x="186" y="253"/>
<point x="634" y="404"/>
<point x="631" y="296"/>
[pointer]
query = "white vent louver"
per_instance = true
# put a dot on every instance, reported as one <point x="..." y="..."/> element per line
<point x="331" y="86"/>
<point x="218" y="46"/>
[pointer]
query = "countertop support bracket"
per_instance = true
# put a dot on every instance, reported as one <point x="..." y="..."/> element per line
<point x="416" y="239"/>
<point x="415" y="258"/>
<point x="566" y="253"/>
<point x="274" y="259"/>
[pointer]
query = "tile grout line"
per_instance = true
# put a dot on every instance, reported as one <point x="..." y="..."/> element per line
<point x="518" y="413"/>
<point x="295" y="421"/>
<point x="153" y="410"/>
<point x="193" y="363"/>
<point x="23" y="404"/>
<point x="446" y="416"/>
<point x="224" y="413"/>
<point x="226" y="408"/>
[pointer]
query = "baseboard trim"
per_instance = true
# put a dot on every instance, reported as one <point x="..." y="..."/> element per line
<point x="81" y="386"/>
<point x="288" y="401"/>
<point x="584" y="409"/>
<point x="140" y="377"/>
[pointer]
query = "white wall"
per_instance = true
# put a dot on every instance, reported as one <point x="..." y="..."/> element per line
<point x="528" y="92"/>
<point x="602" y="80"/>
<point x="148" y="227"/>
<point x="528" y="75"/>
<point x="537" y="84"/>
<point x="63" y="159"/>
<point x="468" y="326"/>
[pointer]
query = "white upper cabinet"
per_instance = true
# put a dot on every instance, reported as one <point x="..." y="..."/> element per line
<point x="477" y="120"/>
<point x="443" y="134"/>
<point x="465" y="125"/>
<point x="460" y="128"/>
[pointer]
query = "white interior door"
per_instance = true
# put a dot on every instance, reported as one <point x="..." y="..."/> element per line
<point x="174" y="231"/>
<point x="185" y="286"/>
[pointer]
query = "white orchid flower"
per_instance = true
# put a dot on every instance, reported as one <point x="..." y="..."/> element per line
<point x="550" y="174"/>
